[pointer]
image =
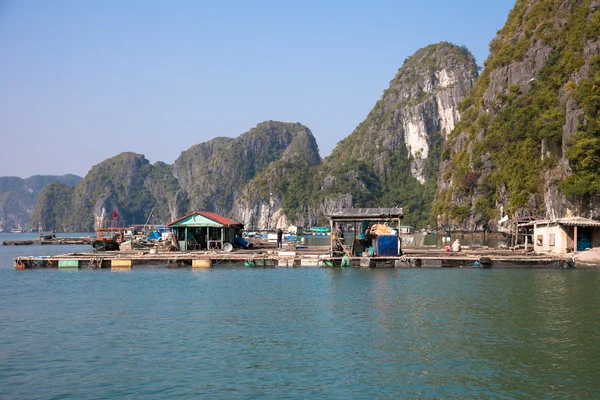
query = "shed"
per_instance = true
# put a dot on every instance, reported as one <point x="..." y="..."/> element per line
<point x="359" y="219"/>
<point x="407" y="229"/>
<point x="203" y="230"/>
<point x="295" y="230"/>
<point x="565" y="235"/>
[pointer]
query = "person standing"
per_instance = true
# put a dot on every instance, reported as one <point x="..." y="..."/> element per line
<point x="279" y="238"/>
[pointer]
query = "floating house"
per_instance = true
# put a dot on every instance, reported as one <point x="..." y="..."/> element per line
<point x="564" y="235"/>
<point x="407" y="230"/>
<point x="295" y="230"/>
<point x="375" y="231"/>
<point x="203" y="230"/>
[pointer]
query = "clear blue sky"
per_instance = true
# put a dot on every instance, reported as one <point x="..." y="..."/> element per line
<point x="81" y="81"/>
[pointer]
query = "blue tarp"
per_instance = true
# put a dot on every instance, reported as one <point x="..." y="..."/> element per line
<point x="387" y="246"/>
<point x="153" y="236"/>
<point x="584" y="242"/>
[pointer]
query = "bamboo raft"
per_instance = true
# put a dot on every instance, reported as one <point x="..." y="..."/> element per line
<point x="314" y="257"/>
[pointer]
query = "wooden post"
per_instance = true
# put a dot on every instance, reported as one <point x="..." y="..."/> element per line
<point x="185" y="238"/>
<point x="331" y="236"/>
<point x="575" y="240"/>
<point x="399" y="238"/>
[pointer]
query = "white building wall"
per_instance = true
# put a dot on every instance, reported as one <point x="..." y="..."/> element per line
<point x="560" y="238"/>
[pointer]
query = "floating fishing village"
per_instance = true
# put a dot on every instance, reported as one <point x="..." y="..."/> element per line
<point x="358" y="237"/>
<point x="300" y="200"/>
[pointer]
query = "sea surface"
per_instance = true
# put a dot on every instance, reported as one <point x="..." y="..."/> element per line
<point x="301" y="333"/>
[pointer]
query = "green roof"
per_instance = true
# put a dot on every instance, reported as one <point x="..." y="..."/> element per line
<point x="195" y="220"/>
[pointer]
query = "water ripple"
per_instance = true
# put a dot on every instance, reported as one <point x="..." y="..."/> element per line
<point x="299" y="333"/>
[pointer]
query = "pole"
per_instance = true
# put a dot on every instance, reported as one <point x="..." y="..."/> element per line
<point x="146" y="224"/>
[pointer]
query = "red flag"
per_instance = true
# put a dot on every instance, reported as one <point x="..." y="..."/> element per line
<point x="115" y="215"/>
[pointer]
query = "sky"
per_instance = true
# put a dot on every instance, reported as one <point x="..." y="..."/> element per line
<point x="82" y="81"/>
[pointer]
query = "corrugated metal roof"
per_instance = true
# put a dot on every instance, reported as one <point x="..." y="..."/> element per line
<point x="212" y="216"/>
<point x="218" y="218"/>
<point x="367" y="213"/>
<point x="568" y="221"/>
<point x="578" y="221"/>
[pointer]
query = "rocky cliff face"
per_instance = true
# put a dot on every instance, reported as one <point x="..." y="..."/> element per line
<point x="191" y="165"/>
<point x="52" y="212"/>
<point x="527" y="144"/>
<point x="391" y="156"/>
<point x="212" y="174"/>
<point x="277" y="196"/>
<point x="126" y="184"/>
<point x="18" y="198"/>
<point x="207" y="176"/>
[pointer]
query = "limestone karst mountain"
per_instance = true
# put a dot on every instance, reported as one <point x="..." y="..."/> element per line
<point x="522" y="138"/>
<point x="392" y="157"/>
<point x="272" y="175"/>
<point x="18" y="198"/>
<point x="207" y="176"/>
<point x="528" y="142"/>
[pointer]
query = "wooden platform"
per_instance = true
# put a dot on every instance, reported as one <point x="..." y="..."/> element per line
<point x="57" y="241"/>
<point x="415" y="258"/>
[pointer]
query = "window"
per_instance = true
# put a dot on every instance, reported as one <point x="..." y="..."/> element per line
<point x="540" y="240"/>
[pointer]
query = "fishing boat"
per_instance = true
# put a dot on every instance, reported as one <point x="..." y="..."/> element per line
<point x="109" y="237"/>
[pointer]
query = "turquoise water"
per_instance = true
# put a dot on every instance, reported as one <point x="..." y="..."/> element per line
<point x="297" y="333"/>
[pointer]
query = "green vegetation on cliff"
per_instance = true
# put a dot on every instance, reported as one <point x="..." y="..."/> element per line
<point x="288" y="179"/>
<point x="115" y="184"/>
<point x="18" y="197"/>
<point x="53" y="210"/>
<point x="206" y="176"/>
<point x="584" y="151"/>
<point x="374" y="164"/>
<point x="212" y="181"/>
<point x="513" y="129"/>
<point x="126" y="183"/>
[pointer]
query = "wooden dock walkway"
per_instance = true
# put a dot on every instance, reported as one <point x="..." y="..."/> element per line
<point x="57" y="241"/>
<point x="413" y="258"/>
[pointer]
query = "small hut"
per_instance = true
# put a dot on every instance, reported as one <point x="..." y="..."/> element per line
<point x="407" y="229"/>
<point x="203" y="230"/>
<point x="295" y="230"/>
<point x="370" y="232"/>
<point x="565" y="235"/>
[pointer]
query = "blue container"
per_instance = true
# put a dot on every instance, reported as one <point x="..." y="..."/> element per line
<point x="387" y="246"/>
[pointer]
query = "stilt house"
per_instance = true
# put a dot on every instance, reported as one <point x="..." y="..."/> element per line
<point x="203" y="230"/>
